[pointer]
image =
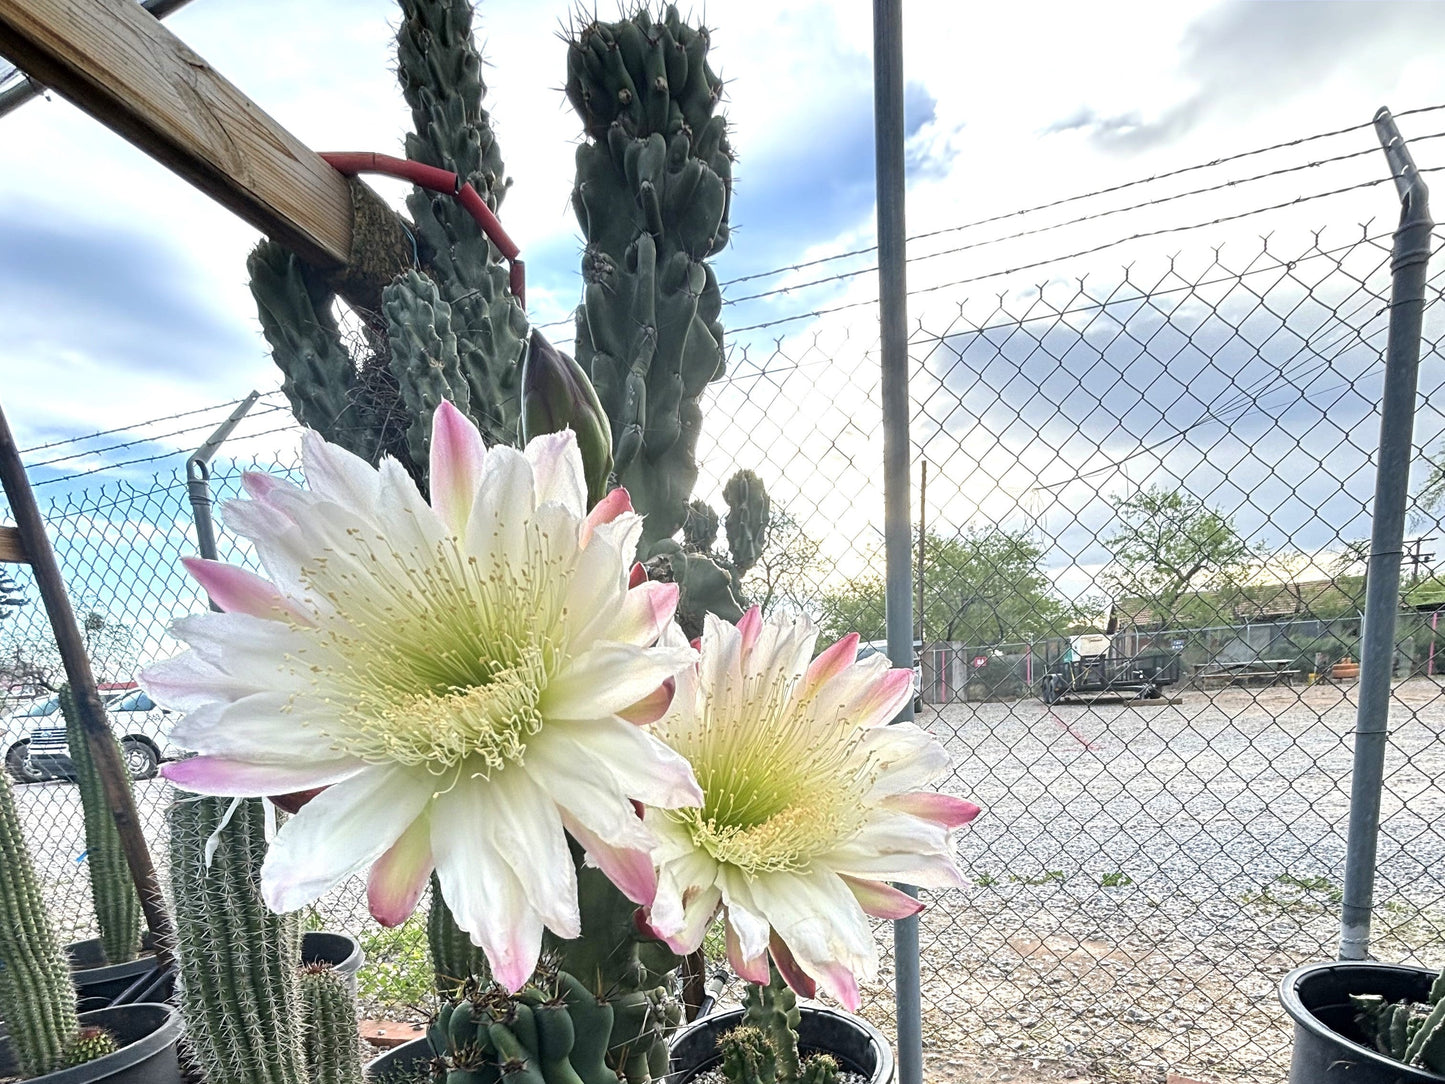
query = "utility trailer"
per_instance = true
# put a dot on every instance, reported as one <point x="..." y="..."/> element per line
<point x="1089" y="669"/>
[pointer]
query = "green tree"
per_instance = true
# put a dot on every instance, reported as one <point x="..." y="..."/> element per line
<point x="786" y="576"/>
<point x="1173" y="558"/>
<point x="981" y="586"/>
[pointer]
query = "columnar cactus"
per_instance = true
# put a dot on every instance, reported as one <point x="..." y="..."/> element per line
<point x="117" y="907"/>
<point x="449" y="327"/>
<point x="329" y="1037"/>
<point x="764" y="1048"/>
<point x="654" y="185"/>
<point x="1407" y="1031"/>
<point x="237" y="960"/>
<point x="37" y="1000"/>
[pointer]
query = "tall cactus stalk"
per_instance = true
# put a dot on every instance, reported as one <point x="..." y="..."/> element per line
<point x="449" y="328"/>
<point x="330" y="1038"/>
<point x="654" y="186"/>
<point x="117" y="907"/>
<point x="237" y="960"/>
<point x="37" y="1000"/>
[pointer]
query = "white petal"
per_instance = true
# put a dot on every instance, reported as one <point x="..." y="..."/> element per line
<point x="643" y="766"/>
<point x="594" y="797"/>
<point x="457" y="456"/>
<point x="744" y="916"/>
<point x="188" y="681"/>
<point x="342" y="830"/>
<point x="898" y="847"/>
<point x="337" y="475"/>
<point x="609" y="677"/>
<point x="557" y="467"/>
<point x="483" y="893"/>
<point x="526" y="830"/>
<point x="819" y="919"/>
<point x="497" y="531"/>
<point x="909" y="758"/>
<point x="256" y="727"/>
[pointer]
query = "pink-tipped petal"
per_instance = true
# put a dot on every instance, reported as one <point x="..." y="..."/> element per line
<point x="399" y="876"/>
<point x="646" y="610"/>
<point x="637" y="576"/>
<point x="260" y="485"/>
<point x="457" y="458"/>
<point x="749" y="625"/>
<point x="630" y="870"/>
<point x="885" y="698"/>
<point x="881" y="900"/>
<point x="942" y="809"/>
<point x="248" y="779"/>
<point x="754" y="970"/>
<point x="831" y="662"/>
<point x="839" y="981"/>
<point x="651" y="707"/>
<point x="605" y="511"/>
<point x="238" y="591"/>
<point x="788" y="967"/>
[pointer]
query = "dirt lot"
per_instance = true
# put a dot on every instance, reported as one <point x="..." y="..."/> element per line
<point x="1140" y="879"/>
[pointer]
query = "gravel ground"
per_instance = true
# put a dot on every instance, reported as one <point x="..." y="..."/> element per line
<point x="1139" y="881"/>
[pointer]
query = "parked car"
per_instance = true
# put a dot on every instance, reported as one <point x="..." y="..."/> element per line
<point x="15" y="738"/>
<point x="141" y="726"/>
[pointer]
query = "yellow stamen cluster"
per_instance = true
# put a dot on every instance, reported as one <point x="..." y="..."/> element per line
<point x="782" y="784"/>
<point x="435" y="663"/>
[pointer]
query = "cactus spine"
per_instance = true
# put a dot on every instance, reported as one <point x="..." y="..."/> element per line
<point x="329" y="1033"/>
<point x="1409" y="1032"/>
<point x="37" y="1001"/>
<point x="117" y="907"/>
<point x="237" y="961"/>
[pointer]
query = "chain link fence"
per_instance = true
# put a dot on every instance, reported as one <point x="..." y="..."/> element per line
<point x="1138" y="469"/>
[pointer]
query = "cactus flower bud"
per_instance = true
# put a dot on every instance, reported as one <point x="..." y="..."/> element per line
<point x="557" y="395"/>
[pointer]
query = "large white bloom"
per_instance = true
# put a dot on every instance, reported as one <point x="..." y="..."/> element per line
<point x="810" y="802"/>
<point x="464" y="679"/>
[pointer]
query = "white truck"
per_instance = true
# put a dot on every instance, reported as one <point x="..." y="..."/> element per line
<point x="141" y="726"/>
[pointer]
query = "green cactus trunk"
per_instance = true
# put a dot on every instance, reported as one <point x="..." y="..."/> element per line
<point x="449" y="328"/>
<point x="654" y="180"/>
<point x="237" y="961"/>
<point x="117" y="907"/>
<point x="330" y="1037"/>
<point x="37" y="1000"/>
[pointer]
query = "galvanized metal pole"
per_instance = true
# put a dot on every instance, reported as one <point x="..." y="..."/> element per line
<point x="1410" y="255"/>
<point x="198" y="478"/>
<point x="893" y="319"/>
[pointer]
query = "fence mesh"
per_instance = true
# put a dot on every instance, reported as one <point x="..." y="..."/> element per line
<point x="1142" y="487"/>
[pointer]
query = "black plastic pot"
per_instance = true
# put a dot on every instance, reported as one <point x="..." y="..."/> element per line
<point x="147" y="1035"/>
<point x="404" y="1064"/>
<point x="1328" y="1046"/>
<point x="97" y="983"/>
<point x="857" y="1044"/>
<point x="342" y="951"/>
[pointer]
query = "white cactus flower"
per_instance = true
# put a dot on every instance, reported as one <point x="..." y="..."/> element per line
<point x="811" y="801"/>
<point x="464" y="678"/>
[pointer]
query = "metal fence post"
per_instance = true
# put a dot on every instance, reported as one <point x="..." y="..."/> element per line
<point x="198" y="478"/>
<point x="1409" y="257"/>
<point x="893" y="321"/>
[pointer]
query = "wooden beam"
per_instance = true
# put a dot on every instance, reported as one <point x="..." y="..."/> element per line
<point x="12" y="550"/>
<point x="118" y="63"/>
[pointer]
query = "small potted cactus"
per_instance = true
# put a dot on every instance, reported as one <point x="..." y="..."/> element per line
<point x="46" y="1039"/>
<point x="1366" y="1022"/>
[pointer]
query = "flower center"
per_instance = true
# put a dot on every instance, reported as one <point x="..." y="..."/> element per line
<point x="436" y="660"/>
<point x="781" y="784"/>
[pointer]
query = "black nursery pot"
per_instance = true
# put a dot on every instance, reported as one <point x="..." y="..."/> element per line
<point x="857" y="1045"/>
<point x="342" y="951"/>
<point x="1328" y="1046"/>
<point x="97" y="983"/>
<point x="147" y="1036"/>
<point x="402" y="1064"/>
